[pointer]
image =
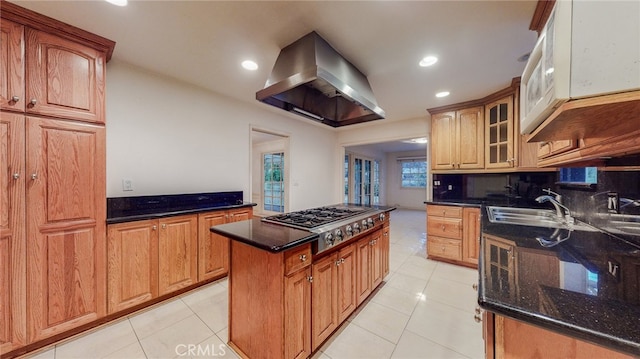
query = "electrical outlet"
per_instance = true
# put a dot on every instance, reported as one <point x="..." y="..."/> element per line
<point x="450" y="187"/>
<point x="613" y="202"/>
<point x="127" y="185"/>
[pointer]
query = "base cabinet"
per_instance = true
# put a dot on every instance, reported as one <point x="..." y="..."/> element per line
<point x="301" y="300"/>
<point x="453" y="234"/>
<point x="213" y="249"/>
<point x="515" y="339"/>
<point x="177" y="253"/>
<point x="297" y="306"/>
<point x="133" y="264"/>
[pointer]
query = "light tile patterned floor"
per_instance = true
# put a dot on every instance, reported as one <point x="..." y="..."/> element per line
<point x="423" y="310"/>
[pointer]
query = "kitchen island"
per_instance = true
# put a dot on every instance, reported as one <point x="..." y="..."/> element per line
<point x="560" y="293"/>
<point x="286" y="297"/>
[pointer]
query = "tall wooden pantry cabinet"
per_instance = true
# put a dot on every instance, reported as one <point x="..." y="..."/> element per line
<point x="52" y="150"/>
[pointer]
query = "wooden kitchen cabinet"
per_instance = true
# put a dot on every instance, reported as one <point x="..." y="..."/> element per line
<point x="369" y="273"/>
<point x="262" y="295"/>
<point x="297" y="306"/>
<point x="12" y="70"/>
<point x="457" y="139"/>
<point x="177" y="253"/>
<point x="471" y="235"/>
<point x="385" y="245"/>
<point x="52" y="235"/>
<point x="453" y="234"/>
<point x="499" y="134"/>
<point x="551" y="148"/>
<point x="13" y="332"/>
<point x="66" y="272"/>
<point x="509" y="338"/>
<point x="54" y="91"/>
<point x="213" y="249"/>
<point x="324" y="299"/>
<point x="444" y="232"/>
<point x="502" y="261"/>
<point x="132" y="249"/>
<point x="347" y="276"/>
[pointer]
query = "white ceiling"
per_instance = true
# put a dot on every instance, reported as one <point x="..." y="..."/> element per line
<point x="203" y="42"/>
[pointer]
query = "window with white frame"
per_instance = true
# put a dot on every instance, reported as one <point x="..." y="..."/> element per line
<point x="413" y="172"/>
<point x="273" y="185"/>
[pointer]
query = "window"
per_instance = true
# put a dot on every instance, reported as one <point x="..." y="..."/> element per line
<point x="413" y="173"/>
<point x="273" y="186"/>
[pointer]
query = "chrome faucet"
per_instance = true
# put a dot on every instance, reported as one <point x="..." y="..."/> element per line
<point x="562" y="211"/>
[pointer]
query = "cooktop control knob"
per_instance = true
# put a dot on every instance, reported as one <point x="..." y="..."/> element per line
<point x="370" y="222"/>
<point x="364" y="224"/>
<point x="349" y="230"/>
<point x="338" y="235"/>
<point x="356" y="228"/>
<point x="328" y="239"/>
<point x="382" y="216"/>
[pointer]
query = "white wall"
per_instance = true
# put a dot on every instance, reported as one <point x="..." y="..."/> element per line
<point x="171" y="137"/>
<point x="411" y="198"/>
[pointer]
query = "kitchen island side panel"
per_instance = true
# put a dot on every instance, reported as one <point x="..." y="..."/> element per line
<point x="256" y="292"/>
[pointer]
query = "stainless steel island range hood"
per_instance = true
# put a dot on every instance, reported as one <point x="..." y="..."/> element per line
<point x="312" y="79"/>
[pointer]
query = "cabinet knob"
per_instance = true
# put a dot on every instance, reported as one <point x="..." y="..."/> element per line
<point x="16" y="176"/>
<point x="475" y="286"/>
<point x="477" y="318"/>
<point x="478" y="311"/>
<point x="443" y="249"/>
<point x="14" y="99"/>
<point x="33" y="102"/>
<point x="310" y="279"/>
<point x="341" y="260"/>
<point x="338" y="262"/>
<point x="164" y="226"/>
<point x="443" y="227"/>
<point x="154" y="228"/>
<point x="303" y="257"/>
<point x="34" y="176"/>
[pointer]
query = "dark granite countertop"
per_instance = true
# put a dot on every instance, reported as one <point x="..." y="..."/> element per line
<point x="267" y="236"/>
<point x="128" y="209"/>
<point x="587" y="286"/>
<point x="458" y="204"/>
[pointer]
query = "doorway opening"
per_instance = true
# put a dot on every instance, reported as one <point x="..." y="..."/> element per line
<point x="269" y="172"/>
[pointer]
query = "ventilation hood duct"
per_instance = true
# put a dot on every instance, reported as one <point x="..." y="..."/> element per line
<point x="310" y="78"/>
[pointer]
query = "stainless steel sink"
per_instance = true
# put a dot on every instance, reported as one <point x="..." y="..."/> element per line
<point x="533" y="217"/>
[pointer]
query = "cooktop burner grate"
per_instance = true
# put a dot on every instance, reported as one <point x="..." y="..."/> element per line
<point x="311" y="218"/>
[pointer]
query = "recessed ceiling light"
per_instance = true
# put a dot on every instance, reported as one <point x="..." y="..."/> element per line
<point x="118" y="2"/>
<point x="250" y="65"/>
<point x="442" y="94"/>
<point x="428" y="61"/>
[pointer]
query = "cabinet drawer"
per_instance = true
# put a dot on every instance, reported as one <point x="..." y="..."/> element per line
<point x="444" y="211"/>
<point x="444" y="227"/>
<point x="444" y="248"/>
<point x="297" y="258"/>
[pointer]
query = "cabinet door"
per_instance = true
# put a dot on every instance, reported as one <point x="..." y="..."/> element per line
<point x="471" y="235"/>
<point x="443" y="141"/>
<point x="347" y="296"/>
<point x="470" y="138"/>
<point x="499" y="134"/>
<point x="66" y="273"/>
<point x="11" y="66"/>
<point x="515" y="339"/>
<point x="12" y="232"/>
<point x="363" y="272"/>
<point x="133" y="263"/>
<point x="177" y="246"/>
<point x="242" y="214"/>
<point x="376" y="259"/>
<point x="297" y="309"/>
<point x="213" y="249"/>
<point x="385" y="249"/>
<point x="501" y="259"/>
<point x="324" y="297"/>
<point x="64" y="78"/>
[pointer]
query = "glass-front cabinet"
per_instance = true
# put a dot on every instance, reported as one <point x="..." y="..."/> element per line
<point x="499" y="134"/>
